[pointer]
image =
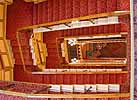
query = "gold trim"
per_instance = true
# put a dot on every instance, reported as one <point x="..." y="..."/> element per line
<point x="1" y="38"/>
<point x="95" y="65"/>
<point x="69" y="95"/>
<point x="103" y="95"/>
<point x="3" y="53"/>
<point x="6" y="48"/>
<point x="66" y="51"/>
<point x="10" y="71"/>
<point x="5" y="20"/>
<point x="116" y="72"/>
<point x="35" y="1"/>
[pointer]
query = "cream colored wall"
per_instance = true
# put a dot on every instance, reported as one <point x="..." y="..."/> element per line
<point x="6" y="62"/>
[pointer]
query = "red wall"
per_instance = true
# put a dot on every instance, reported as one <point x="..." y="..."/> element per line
<point x="24" y="14"/>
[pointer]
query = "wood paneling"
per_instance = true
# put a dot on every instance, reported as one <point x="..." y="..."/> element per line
<point x="1" y="29"/>
<point x="1" y="11"/>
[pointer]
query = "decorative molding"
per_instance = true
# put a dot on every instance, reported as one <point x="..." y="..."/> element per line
<point x="6" y="57"/>
<point x="6" y="1"/>
<point x="108" y="72"/>
<point x="70" y="95"/>
<point x="35" y="1"/>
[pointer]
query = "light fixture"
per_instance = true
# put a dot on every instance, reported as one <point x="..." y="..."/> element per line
<point x="106" y="36"/>
<point x="117" y="35"/>
<point x="72" y="42"/>
<point x="74" y="60"/>
<point x="74" y="22"/>
<point x="85" y="37"/>
<point x="41" y="29"/>
<point x="59" y="27"/>
<point x="113" y="19"/>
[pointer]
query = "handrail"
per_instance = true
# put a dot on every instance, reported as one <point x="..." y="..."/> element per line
<point x="75" y="73"/>
<point x="93" y="16"/>
<point x="68" y="95"/>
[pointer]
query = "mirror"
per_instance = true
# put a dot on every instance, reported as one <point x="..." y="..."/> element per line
<point x="93" y="50"/>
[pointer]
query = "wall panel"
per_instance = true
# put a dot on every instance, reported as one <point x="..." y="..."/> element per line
<point x="55" y="10"/>
<point x="35" y="13"/>
<point x="112" y="78"/>
<point x="62" y="9"/>
<point x="1" y="29"/>
<point x="50" y="11"/>
<point x="40" y="13"/>
<point x="92" y="7"/>
<point x="101" y="6"/>
<point x="69" y="9"/>
<point x="76" y="8"/>
<point x="111" y="5"/>
<point x="123" y="4"/>
<point x="84" y="7"/>
<point x="1" y="11"/>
